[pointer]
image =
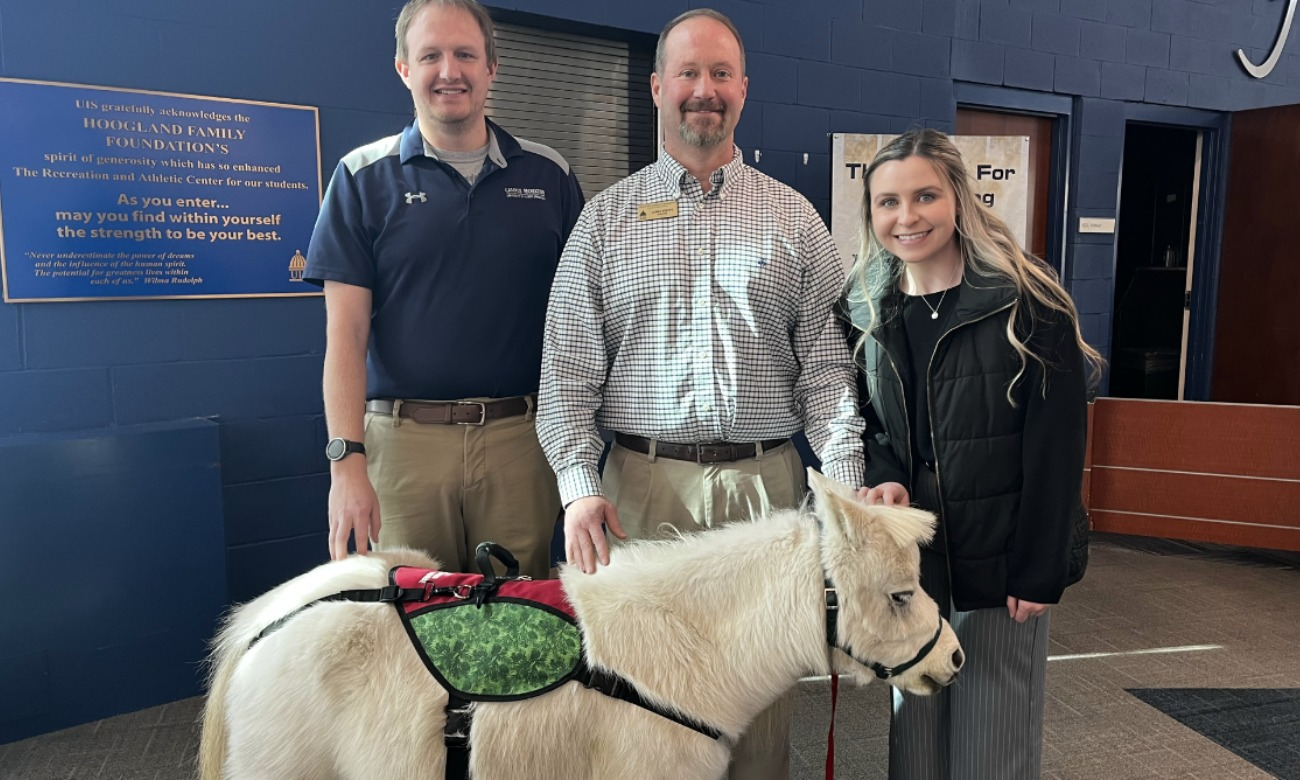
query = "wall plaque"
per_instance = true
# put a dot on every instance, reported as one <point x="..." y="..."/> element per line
<point x="111" y="193"/>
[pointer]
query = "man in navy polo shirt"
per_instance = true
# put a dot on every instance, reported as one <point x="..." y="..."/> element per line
<point x="436" y="249"/>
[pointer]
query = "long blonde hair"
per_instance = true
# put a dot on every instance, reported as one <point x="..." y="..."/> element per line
<point x="987" y="245"/>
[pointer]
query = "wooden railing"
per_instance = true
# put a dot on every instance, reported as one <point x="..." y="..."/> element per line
<point x="1210" y="472"/>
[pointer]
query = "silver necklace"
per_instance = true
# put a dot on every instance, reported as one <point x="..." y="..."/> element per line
<point x="934" y="310"/>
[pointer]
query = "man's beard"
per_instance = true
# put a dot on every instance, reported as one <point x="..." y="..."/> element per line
<point x="705" y="137"/>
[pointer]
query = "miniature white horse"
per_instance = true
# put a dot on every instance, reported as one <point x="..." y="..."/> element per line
<point x="715" y="626"/>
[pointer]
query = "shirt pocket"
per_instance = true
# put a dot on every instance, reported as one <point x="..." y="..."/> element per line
<point x="645" y="270"/>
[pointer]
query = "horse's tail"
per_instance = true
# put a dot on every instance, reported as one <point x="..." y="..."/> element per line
<point x="242" y="625"/>
<point x="226" y="653"/>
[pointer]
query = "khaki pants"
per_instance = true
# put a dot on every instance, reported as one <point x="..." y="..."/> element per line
<point x="656" y="497"/>
<point x="446" y="488"/>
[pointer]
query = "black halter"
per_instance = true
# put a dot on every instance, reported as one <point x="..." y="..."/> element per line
<point x="883" y="672"/>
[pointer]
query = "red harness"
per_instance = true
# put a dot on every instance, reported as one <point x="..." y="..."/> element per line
<point x="447" y="587"/>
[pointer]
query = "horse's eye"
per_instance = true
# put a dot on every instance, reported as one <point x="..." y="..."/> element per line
<point x="901" y="598"/>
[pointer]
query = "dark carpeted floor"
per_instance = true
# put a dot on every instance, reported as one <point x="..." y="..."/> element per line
<point x="1262" y="725"/>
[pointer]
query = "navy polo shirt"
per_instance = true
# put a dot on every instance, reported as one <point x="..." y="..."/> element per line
<point x="459" y="275"/>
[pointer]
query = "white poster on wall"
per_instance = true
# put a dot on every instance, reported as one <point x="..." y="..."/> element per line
<point x="998" y="167"/>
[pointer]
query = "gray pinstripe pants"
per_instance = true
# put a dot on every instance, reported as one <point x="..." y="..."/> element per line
<point x="989" y="724"/>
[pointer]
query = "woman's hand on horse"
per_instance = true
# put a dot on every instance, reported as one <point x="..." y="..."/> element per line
<point x="887" y="493"/>
<point x="354" y="507"/>
<point x="1021" y="610"/>
<point x="584" y="532"/>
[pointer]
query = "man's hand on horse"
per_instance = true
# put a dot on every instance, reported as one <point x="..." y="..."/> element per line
<point x="354" y="507"/>
<point x="887" y="493"/>
<point x="584" y="532"/>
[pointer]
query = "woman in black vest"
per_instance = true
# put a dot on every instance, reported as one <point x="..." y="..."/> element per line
<point x="975" y="383"/>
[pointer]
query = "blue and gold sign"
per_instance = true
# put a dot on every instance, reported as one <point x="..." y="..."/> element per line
<point x="110" y="193"/>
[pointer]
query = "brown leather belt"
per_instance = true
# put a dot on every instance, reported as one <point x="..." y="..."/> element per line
<point x="452" y="412"/>
<point x="720" y="452"/>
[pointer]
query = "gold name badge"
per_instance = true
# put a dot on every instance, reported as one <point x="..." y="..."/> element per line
<point x="663" y="210"/>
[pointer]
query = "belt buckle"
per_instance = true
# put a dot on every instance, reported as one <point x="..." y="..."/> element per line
<point x="482" y="412"/>
<point x="717" y="453"/>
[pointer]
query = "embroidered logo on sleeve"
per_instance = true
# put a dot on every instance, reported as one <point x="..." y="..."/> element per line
<point x="527" y="193"/>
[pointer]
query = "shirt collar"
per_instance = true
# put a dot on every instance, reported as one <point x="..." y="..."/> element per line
<point x="674" y="174"/>
<point x="500" y="144"/>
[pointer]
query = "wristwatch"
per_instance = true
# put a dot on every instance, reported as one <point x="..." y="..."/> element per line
<point x="338" y="449"/>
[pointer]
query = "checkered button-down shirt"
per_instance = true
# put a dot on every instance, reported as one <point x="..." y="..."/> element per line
<point x="702" y="318"/>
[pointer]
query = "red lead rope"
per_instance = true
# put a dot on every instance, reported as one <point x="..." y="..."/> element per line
<point x="830" y="737"/>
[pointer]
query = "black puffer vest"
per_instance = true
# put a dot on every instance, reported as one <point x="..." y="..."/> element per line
<point x="977" y="433"/>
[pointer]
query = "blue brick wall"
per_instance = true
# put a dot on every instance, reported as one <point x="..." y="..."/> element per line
<point x="1116" y="54"/>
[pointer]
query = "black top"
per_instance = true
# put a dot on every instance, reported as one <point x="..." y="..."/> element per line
<point x="923" y="330"/>
<point x="1008" y="472"/>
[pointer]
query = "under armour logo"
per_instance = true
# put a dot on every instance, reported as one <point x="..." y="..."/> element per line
<point x="412" y="197"/>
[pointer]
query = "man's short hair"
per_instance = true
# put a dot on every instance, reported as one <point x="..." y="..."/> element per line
<point x="708" y="13"/>
<point x="471" y="7"/>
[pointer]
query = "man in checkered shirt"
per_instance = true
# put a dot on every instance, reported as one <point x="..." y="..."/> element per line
<point x="692" y="314"/>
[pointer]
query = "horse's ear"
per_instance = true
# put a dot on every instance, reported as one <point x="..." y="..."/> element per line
<point x="834" y="504"/>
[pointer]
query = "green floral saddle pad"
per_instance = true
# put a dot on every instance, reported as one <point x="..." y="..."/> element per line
<point x="514" y="640"/>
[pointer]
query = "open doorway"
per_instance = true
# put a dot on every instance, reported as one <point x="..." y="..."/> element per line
<point x="1154" y="254"/>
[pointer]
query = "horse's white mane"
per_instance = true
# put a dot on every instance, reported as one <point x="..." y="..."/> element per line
<point x="707" y="545"/>
<point x="700" y="553"/>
